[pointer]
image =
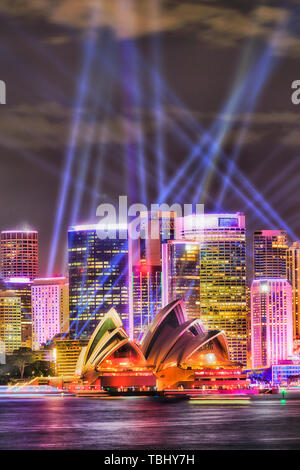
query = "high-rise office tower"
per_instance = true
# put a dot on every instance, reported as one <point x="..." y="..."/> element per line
<point x="270" y="254"/>
<point x="19" y="254"/>
<point x="219" y="263"/>
<point x="181" y="274"/>
<point x="50" y="309"/>
<point x="10" y="321"/>
<point x="293" y="268"/>
<point x="145" y="266"/>
<point x="271" y="322"/>
<point x="98" y="276"/>
<point x="21" y="287"/>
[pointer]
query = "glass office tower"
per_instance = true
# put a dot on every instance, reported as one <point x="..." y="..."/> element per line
<point x="209" y="274"/>
<point x="145" y="267"/>
<point x="98" y="278"/>
<point x="21" y="287"/>
<point x="10" y="321"/>
<point x="270" y="254"/>
<point x="181" y="274"/>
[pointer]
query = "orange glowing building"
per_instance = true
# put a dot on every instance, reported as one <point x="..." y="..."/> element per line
<point x="174" y="353"/>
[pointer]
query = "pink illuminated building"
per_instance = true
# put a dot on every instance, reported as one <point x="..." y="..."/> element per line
<point x="271" y="322"/>
<point x="50" y="309"/>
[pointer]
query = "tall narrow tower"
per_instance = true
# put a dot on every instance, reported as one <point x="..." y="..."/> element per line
<point x="10" y="321"/>
<point x="270" y="254"/>
<point x="293" y="263"/>
<point x="50" y="309"/>
<point x="271" y="322"/>
<point x="19" y="254"/>
<point x="145" y="268"/>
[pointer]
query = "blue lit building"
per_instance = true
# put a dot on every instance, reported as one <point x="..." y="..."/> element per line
<point x="98" y="278"/>
<point x="281" y="374"/>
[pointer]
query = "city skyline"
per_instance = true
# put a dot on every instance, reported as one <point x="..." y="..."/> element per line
<point x="236" y="119"/>
<point x="149" y="227"/>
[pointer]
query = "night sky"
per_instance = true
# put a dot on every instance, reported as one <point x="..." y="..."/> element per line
<point x="128" y="90"/>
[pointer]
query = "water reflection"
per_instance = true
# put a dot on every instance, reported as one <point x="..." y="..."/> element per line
<point x="144" y="423"/>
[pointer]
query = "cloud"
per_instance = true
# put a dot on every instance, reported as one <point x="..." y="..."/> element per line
<point x="282" y="127"/>
<point x="292" y="139"/>
<point x="48" y="125"/>
<point x="218" y="24"/>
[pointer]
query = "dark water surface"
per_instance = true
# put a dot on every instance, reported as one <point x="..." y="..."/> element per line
<point x="147" y="423"/>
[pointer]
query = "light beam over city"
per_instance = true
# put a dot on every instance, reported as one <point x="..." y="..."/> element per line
<point x="149" y="229"/>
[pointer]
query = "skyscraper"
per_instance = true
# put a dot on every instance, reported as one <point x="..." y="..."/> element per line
<point x="10" y="321"/>
<point x="217" y="258"/>
<point x="271" y="322"/>
<point x="145" y="266"/>
<point x="181" y="274"/>
<point x="293" y="264"/>
<point x="98" y="276"/>
<point x="19" y="254"/>
<point x="270" y="254"/>
<point x="50" y="309"/>
<point x="21" y="287"/>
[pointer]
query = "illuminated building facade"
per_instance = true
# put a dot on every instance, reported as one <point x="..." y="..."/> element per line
<point x="21" y="287"/>
<point x="211" y="277"/>
<point x="285" y="373"/>
<point x="112" y="356"/>
<point x="65" y="355"/>
<point x="181" y="274"/>
<point x="98" y="276"/>
<point x="145" y="264"/>
<point x="50" y="309"/>
<point x="271" y="322"/>
<point x="293" y="275"/>
<point x="10" y="321"/>
<point x="174" y="353"/>
<point x="19" y="254"/>
<point x="270" y="254"/>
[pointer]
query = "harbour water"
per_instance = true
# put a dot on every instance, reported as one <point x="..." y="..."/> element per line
<point x="265" y="422"/>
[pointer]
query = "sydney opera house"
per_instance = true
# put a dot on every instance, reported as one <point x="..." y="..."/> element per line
<point x="174" y="353"/>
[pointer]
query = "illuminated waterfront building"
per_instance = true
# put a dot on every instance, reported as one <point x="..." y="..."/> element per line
<point x="271" y="322"/>
<point x="293" y="275"/>
<point x="19" y="254"/>
<point x="10" y="321"/>
<point x="270" y="254"/>
<point x="184" y="354"/>
<point x="112" y="356"/>
<point x="174" y="353"/>
<point x="206" y="266"/>
<point x="21" y="287"/>
<point x="50" y="309"/>
<point x="145" y="264"/>
<point x="98" y="276"/>
<point x="65" y="355"/>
